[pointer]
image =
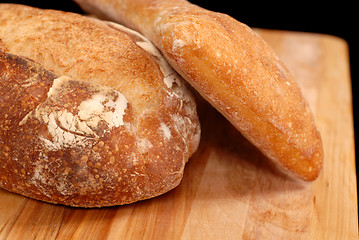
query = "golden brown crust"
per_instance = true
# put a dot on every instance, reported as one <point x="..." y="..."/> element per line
<point x="95" y="121"/>
<point x="235" y="70"/>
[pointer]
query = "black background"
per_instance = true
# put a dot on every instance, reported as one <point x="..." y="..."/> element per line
<point x="334" y="18"/>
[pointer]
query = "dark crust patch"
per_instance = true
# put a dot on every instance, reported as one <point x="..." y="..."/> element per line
<point x="23" y="86"/>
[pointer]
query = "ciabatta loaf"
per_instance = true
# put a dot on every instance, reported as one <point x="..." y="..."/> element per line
<point x="235" y="70"/>
<point x="91" y="113"/>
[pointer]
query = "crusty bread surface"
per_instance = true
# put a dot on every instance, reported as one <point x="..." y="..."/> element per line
<point x="235" y="70"/>
<point x="91" y="113"/>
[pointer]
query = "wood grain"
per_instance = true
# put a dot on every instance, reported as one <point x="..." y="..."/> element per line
<point x="229" y="191"/>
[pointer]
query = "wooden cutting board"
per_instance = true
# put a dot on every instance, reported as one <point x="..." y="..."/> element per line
<point x="228" y="190"/>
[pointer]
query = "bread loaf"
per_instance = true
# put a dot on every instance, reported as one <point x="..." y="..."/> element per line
<point x="91" y="113"/>
<point x="235" y="70"/>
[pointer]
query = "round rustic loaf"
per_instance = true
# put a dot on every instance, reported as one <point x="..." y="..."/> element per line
<point x="91" y="113"/>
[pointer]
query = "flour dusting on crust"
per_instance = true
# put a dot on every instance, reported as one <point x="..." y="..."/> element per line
<point x="74" y="128"/>
<point x="170" y="76"/>
<point x="166" y="131"/>
<point x="100" y="107"/>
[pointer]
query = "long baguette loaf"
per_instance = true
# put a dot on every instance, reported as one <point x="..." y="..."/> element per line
<point x="234" y="69"/>
<point x="91" y="114"/>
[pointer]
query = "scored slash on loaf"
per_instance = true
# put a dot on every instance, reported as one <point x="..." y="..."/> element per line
<point x="92" y="115"/>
